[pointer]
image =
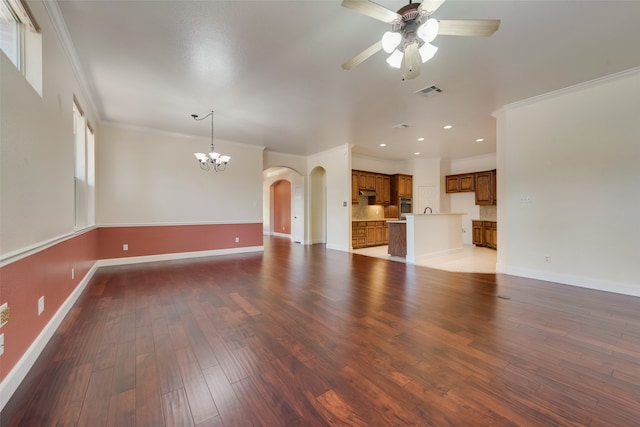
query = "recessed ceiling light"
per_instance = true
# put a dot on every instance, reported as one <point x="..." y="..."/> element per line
<point x="448" y="127"/>
<point x="383" y="145"/>
<point x="417" y="153"/>
<point x="480" y="140"/>
<point x="421" y="139"/>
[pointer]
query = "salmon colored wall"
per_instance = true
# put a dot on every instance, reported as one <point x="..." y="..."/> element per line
<point x="46" y="273"/>
<point x="282" y="207"/>
<point x="158" y="240"/>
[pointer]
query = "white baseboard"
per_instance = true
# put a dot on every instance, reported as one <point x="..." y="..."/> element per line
<point x="13" y="379"/>
<point x="566" y="279"/>
<point x="174" y="256"/>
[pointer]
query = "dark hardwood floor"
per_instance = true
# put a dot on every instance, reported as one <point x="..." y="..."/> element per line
<point x="304" y="336"/>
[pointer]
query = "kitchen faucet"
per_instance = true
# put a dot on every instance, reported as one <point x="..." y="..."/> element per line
<point x="430" y="210"/>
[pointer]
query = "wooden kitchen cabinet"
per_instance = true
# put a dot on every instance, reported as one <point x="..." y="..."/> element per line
<point x="401" y="186"/>
<point x="485" y="233"/>
<point x="371" y="181"/>
<point x="383" y="187"/>
<point x="369" y="233"/>
<point x="358" y="234"/>
<point x="484" y="188"/>
<point x="494" y="189"/>
<point x="461" y="183"/>
<point x="355" y="190"/>
<point x="367" y="181"/>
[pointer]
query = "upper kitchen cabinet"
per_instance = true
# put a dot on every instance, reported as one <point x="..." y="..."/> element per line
<point x="401" y="186"/>
<point x="461" y="183"/>
<point x="370" y="181"/>
<point x="383" y="189"/>
<point x="482" y="183"/>
<point x="355" y="190"/>
<point x="485" y="188"/>
<point x="367" y="181"/>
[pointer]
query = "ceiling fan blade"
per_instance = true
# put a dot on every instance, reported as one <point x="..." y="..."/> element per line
<point x="372" y="10"/>
<point x="411" y="61"/>
<point x="468" y="27"/>
<point x="430" y="6"/>
<point x="356" y="60"/>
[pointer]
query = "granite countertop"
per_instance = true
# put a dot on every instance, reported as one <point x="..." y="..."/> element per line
<point x="397" y="221"/>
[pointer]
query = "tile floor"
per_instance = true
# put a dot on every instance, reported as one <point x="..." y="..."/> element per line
<point x="471" y="260"/>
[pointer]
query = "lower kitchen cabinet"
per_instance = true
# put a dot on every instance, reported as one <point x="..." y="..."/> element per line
<point x="485" y="233"/>
<point x="369" y="233"/>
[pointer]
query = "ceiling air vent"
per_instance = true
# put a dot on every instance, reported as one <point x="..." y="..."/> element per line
<point x="429" y="91"/>
<point x="400" y="126"/>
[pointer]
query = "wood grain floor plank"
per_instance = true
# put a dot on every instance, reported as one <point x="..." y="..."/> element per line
<point x="176" y="409"/>
<point x="148" y="399"/>
<point x="305" y="336"/>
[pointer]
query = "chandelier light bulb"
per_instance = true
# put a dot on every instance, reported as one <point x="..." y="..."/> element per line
<point x="429" y="30"/>
<point x="390" y="41"/>
<point x="395" y="59"/>
<point x="427" y="51"/>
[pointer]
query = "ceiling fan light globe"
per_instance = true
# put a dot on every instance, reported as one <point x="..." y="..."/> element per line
<point x="427" y="51"/>
<point x="429" y="30"/>
<point x="395" y="59"/>
<point x="390" y="41"/>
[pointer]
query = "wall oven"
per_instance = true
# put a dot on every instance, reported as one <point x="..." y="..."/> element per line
<point x="406" y="206"/>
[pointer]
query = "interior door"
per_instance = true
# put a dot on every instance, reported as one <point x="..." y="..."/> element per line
<point x="298" y="215"/>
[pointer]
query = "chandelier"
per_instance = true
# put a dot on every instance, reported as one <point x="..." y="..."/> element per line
<point x="214" y="160"/>
<point x="410" y="39"/>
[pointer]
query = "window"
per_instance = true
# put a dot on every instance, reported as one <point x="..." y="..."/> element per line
<point x="84" y="169"/>
<point x="21" y="41"/>
<point x="10" y="33"/>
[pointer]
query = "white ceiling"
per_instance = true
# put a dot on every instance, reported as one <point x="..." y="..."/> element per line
<point x="272" y="69"/>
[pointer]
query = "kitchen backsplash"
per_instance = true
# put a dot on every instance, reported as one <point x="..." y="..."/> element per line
<point x="362" y="210"/>
<point x="488" y="213"/>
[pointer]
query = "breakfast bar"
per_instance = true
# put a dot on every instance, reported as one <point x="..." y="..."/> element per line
<point x="424" y="236"/>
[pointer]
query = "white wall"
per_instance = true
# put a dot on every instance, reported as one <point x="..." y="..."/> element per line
<point x="426" y="179"/>
<point x="272" y="159"/>
<point x="151" y="177"/>
<point x="337" y="164"/>
<point x="37" y="152"/>
<point x="576" y="154"/>
<point x="384" y="166"/>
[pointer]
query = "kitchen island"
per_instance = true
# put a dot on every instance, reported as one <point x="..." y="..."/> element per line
<point x="397" y="238"/>
<point x="431" y="235"/>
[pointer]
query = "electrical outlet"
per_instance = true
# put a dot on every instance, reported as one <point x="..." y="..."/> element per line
<point x="1" y="344"/>
<point x="4" y="314"/>
<point x="125" y="247"/>
<point x="237" y="239"/>
<point x="40" y="305"/>
<point x="547" y="258"/>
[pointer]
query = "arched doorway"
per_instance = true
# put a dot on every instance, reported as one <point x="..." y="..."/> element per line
<point x="283" y="203"/>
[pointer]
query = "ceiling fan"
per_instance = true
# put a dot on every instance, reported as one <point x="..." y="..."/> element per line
<point x="412" y="31"/>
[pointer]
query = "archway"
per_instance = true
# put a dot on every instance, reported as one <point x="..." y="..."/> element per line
<point x="283" y="203"/>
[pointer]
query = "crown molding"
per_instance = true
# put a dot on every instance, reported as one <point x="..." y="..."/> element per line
<point x="567" y="90"/>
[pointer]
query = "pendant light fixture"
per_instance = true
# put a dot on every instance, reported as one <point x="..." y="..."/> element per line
<point x="214" y="160"/>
